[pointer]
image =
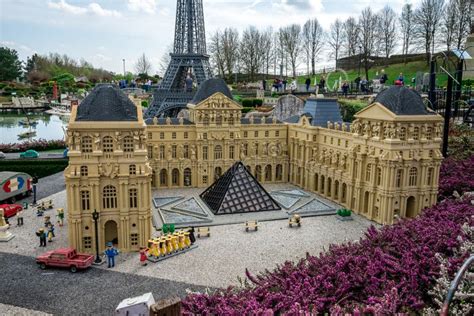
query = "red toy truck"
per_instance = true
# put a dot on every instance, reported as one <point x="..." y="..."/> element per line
<point x="65" y="258"/>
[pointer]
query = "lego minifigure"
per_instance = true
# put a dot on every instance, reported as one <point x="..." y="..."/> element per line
<point x="111" y="252"/>
<point x="50" y="232"/>
<point x="191" y="235"/>
<point x="19" y="218"/>
<point x="47" y="220"/>
<point x="60" y="216"/>
<point x="39" y="212"/>
<point x="143" y="256"/>
<point x="42" y="236"/>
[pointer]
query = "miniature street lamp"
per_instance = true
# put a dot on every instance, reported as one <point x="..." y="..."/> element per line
<point x="95" y="217"/>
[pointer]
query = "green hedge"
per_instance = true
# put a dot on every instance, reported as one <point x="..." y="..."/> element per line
<point x="248" y="102"/>
<point x="344" y="212"/>
<point x="350" y="107"/>
<point x="34" y="167"/>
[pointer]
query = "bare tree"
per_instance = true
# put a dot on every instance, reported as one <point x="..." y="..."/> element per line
<point x="230" y="43"/>
<point x="456" y="23"/>
<point x="449" y="24"/>
<point x="291" y="39"/>
<point x="313" y="36"/>
<point x="336" y="38"/>
<point x="143" y="65"/>
<point x="165" y="60"/>
<point x="250" y="51"/>
<point x="216" y="49"/>
<point x="368" y="22"/>
<point x="351" y="36"/>
<point x="427" y="22"/>
<point x="406" y="28"/>
<point x="388" y="30"/>
<point x="266" y="45"/>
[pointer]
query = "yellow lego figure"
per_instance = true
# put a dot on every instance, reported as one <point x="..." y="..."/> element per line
<point x="174" y="241"/>
<point x="187" y="239"/>
<point x="163" y="250"/>
<point x="169" y="245"/>
<point x="181" y="242"/>
<point x="153" y="249"/>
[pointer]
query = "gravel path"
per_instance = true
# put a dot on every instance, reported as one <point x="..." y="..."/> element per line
<point x="10" y="310"/>
<point x="91" y="292"/>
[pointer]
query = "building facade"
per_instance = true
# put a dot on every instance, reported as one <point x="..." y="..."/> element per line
<point x="383" y="166"/>
<point x="108" y="172"/>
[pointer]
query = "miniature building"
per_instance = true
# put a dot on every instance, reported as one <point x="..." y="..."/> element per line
<point x="237" y="191"/>
<point x="383" y="166"/>
<point x="108" y="171"/>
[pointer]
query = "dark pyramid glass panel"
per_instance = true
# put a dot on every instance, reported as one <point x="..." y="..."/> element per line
<point x="237" y="191"/>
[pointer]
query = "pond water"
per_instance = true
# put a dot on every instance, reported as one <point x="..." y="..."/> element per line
<point x="49" y="127"/>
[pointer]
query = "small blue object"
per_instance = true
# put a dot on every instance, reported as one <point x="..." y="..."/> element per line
<point x="109" y="244"/>
<point x="65" y="153"/>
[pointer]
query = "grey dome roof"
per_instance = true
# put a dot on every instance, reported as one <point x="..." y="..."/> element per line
<point x="106" y="103"/>
<point x="209" y="87"/>
<point x="402" y="101"/>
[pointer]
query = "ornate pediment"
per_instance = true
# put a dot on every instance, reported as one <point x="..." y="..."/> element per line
<point x="218" y="101"/>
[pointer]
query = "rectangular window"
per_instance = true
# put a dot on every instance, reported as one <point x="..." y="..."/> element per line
<point x="338" y="142"/>
<point x="84" y="171"/>
<point x="85" y="201"/>
<point x="429" y="178"/>
<point x="150" y="151"/>
<point x="162" y="151"/>
<point x="86" y="144"/>
<point x="87" y="242"/>
<point x="107" y="144"/>
<point x="416" y="132"/>
<point x="347" y="144"/>
<point x="314" y="138"/>
<point x="173" y="135"/>
<point x="204" y="153"/>
<point x="256" y="149"/>
<point x="277" y="133"/>
<point x="162" y="135"/>
<point x="267" y="133"/>
<point x="134" y="239"/>
<point x="231" y="152"/>
<point x="246" y="147"/>
<point x="132" y="169"/>
<point x="255" y="134"/>
<point x="133" y="198"/>
<point x="128" y="144"/>
<point x="185" y="135"/>
<point x="204" y="179"/>
<point x="204" y="135"/>
<point x="231" y="135"/>
<point x="186" y="151"/>
<point x="399" y="178"/>
<point x="150" y="135"/>
<point x="173" y="151"/>
<point x="245" y="134"/>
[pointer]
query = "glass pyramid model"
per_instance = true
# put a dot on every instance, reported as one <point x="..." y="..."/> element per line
<point x="237" y="191"/>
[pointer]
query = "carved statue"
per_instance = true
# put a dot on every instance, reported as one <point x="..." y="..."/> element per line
<point x="330" y="125"/>
<point x="155" y="120"/>
<point x="355" y="127"/>
<point x="242" y="152"/>
<point x="376" y="130"/>
<point x="367" y="129"/>
<point x="170" y="156"/>
<point x="168" y="120"/>
<point x="193" y="152"/>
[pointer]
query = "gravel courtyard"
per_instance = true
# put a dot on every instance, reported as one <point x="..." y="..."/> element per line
<point x="217" y="262"/>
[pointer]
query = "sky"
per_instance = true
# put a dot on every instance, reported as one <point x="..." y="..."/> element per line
<point x="104" y="32"/>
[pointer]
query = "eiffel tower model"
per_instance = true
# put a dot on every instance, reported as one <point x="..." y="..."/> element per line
<point x="189" y="58"/>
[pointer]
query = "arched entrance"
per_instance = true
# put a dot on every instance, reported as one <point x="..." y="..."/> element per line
<point x="110" y="232"/>
<point x="321" y="187"/>
<point x="187" y="177"/>
<point x="316" y="181"/>
<point x="411" y="211"/>
<point x="336" y="190"/>
<point x="258" y="172"/>
<point x="366" y="202"/>
<point x="268" y="173"/>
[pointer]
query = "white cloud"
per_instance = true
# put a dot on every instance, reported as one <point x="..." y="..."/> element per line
<point x="147" y="6"/>
<point x="19" y="47"/>
<point x="93" y="8"/>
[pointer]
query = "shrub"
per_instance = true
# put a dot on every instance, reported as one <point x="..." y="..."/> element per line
<point x="34" y="167"/>
<point x="389" y="271"/>
<point x="39" y="145"/>
<point x="237" y="98"/>
<point x="344" y="212"/>
<point x="349" y="108"/>
<point x="247" y="103"/>
<point x="257" y="102"/>
<point x="144" y="103"/>
<point x="456" y="175"/>
<point x="247" y="109"/>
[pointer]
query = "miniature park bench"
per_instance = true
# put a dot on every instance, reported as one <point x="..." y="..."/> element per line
<point x="251" y="224"/>
<point x="46" y="205"/>
<point x="203" y="231"/>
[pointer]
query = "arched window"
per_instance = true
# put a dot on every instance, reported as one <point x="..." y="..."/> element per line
<point x="128" y="144"/>
<point x="218" y="152"/>
<point x="367" y="172"/>
<point x="429" y="178"/>
<point x="279" y="173"/>
<point x="379" y="176"/>
<point x="175" y="177"/>
<point x="187" y="177"/>
<point x="268" y="173"/>
<point x="86" y="144"/>
<point x="163" y="177"/>
<point x="316" y="182"/>
<point x="84" y="171"/>
<point x="132" y="169"/>
<point x="399" y="178"/>
<point x="413" y="176"/>
<point x="107" y="144"/>
<point x="109" y="197"/>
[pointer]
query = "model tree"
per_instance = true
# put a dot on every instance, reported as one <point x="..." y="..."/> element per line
<point x="10" y="65"/>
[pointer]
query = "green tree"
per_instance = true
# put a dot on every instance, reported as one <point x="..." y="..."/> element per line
<point x="10" y="65"/>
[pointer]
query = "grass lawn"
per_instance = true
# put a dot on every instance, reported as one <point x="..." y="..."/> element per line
<point x="409" y="71"/>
